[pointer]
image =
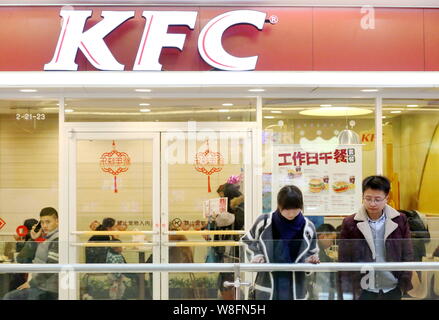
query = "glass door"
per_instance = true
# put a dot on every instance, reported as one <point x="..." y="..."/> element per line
<point x="195" y="169"/>
<point x="139" y="197"/>
<point x="114" y="183"/>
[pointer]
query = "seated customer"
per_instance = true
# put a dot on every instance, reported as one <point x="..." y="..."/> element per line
<point x="326" y="235"/>
<point x="42" y="286"/>
<point x="25" y="249"/>
<point x="324" y="283"/>
<point x="25" y="246"/>
<point x="117" y="284"/>
<point x="99" y="254"/>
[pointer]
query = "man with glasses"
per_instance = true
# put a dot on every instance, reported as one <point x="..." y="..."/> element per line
<point x="376" y="233"/>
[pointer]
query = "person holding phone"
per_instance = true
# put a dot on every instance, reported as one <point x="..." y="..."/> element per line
<point x="42" y="286"/>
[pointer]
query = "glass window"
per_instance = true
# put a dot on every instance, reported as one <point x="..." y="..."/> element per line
<point x="411" y="157"/>
<point x="28" y="175"/>
<point x="313" y="130"/>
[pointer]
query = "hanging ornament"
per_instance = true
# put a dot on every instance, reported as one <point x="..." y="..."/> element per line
<point x="208" y="162"/>
<point x="115" y="162"/>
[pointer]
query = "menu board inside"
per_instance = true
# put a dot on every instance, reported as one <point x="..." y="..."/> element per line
<point x="329" y="177"/>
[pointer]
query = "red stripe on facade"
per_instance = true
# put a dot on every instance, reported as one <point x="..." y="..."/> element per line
<point x="82" y="44"/>
<point x="144" y="42"/>
<point x="62" y="39"/>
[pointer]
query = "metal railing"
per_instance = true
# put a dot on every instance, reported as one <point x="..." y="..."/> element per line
<point x="235" y="268"/>
<point x="219" y="267"/>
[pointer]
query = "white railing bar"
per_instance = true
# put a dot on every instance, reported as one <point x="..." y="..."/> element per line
<point x="218" y="267"/>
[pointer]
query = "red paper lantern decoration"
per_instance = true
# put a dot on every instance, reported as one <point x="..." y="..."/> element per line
<point x="114" y="163"/>
<point x="208" y="162"/>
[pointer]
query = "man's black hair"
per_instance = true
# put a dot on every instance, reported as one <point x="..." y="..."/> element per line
<point x="377" y="183"/>
<point x="48" y="211"/>
<point x="325" y="228"/>
<point x="290" y="197"/>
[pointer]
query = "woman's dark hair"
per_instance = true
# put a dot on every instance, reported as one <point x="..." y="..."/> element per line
<point x="231" y="191"/>
<point x="106" y="224"/>
<point x="290" y="197"/>
<point x="377" y="183"/>
<point x="221" y="188"/>
<point x="29" y="223"/>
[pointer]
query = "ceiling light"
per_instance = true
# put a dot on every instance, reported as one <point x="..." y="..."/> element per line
<point x="145" y="110"/>
<point x="68" y="110"/>
<point x="326" y="105"/>
<point x="276" y="111"/>
<point x="256" y="90"/>
<point x="143" y="90"/>
<point x="28" y="90"/>
<point x="413" y="105"/>
<point x="268" y="117"/>
<point x="227" y="104"/>
<point x="335" y="112"/>
<point x="223" y="110"/>
<point x="383" y="117"/>
<point x="396" y="111"/>
<point x="144" y="104"/>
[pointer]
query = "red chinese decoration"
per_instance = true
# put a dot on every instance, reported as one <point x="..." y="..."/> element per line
<point x="208" y="162"/>
<point x="22" y="231"/>
<point x="114" y="163"/>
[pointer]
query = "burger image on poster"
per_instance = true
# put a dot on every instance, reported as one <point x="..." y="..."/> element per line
<point x="340" y="186"/>
<point x="316" y="185"/>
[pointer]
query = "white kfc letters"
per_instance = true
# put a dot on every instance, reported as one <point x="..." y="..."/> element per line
<point x="155" y="37"/>
<point x="91" y="42"/>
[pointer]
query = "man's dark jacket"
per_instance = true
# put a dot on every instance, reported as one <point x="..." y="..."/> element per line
<point x="357" y="245"/>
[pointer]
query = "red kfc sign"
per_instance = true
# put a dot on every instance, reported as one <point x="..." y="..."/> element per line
<point x="155" y="37"/>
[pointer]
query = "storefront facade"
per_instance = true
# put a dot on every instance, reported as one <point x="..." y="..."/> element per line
<point x="123" y="112"/>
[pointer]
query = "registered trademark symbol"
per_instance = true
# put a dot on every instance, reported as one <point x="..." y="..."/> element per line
<point x="274" y="19"/>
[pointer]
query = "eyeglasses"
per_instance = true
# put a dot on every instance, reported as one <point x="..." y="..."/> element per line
<point x="376" y="200"/>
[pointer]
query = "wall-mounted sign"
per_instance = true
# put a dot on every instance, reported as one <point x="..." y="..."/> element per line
<point x="329" y="180"/>
<point x="2" y="223"/>
<point x="155" y="37"/>
<point x="291" y="39"/>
